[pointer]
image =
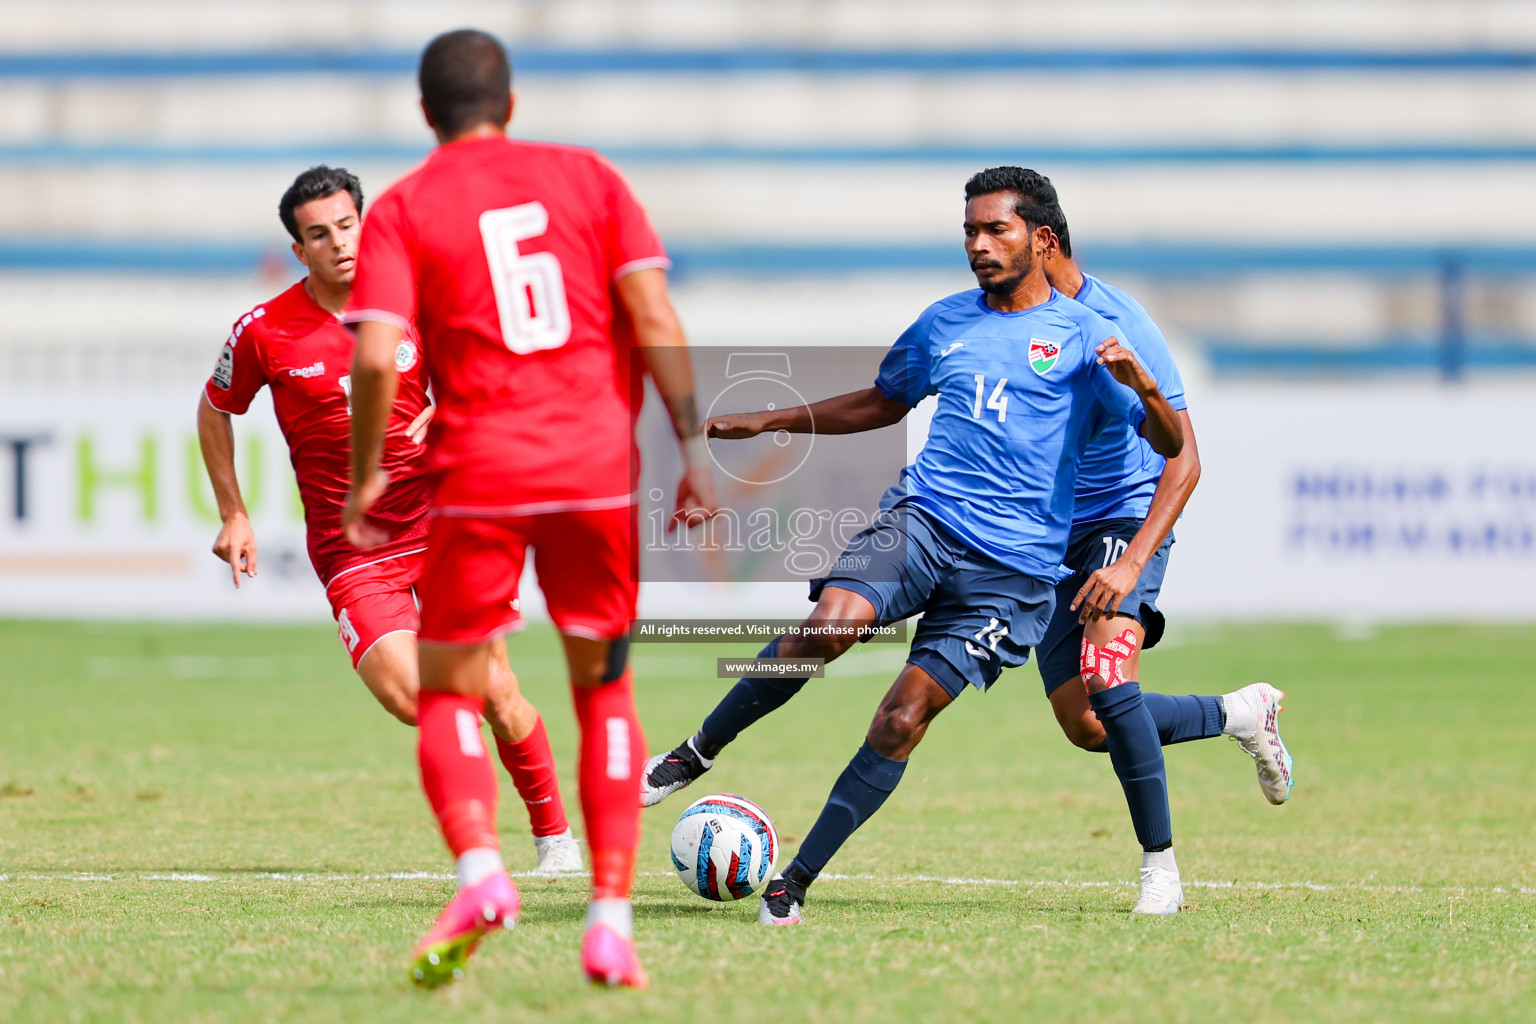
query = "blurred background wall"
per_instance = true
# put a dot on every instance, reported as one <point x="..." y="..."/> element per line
<point x="1329" y="207"/>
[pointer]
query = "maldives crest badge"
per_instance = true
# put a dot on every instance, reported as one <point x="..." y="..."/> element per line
<point x="1043" y="355"/>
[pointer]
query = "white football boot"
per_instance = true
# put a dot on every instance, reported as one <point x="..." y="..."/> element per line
<point x="559" y="854"/>
<point x="667" y="773"/>
<point x="1253" y="721"/>
<point x="1161" y="891"/>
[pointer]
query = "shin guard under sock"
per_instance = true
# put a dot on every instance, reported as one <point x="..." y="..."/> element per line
<point x="1137" y="755"/>
<point x="531" y="764"/>
<point x="456" y="770"/>
<point x="857" y="794"/>
<point x="612" y="753"/>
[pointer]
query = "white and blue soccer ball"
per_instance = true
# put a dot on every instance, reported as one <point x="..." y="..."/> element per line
<point x="724" y="847"/>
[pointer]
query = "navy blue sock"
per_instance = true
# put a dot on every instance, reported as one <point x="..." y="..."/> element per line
<point x="747" y="701"/>
<point x="1181" y="719"/>
<point x="857" y="794"/>
<point x="1137" y="755"/>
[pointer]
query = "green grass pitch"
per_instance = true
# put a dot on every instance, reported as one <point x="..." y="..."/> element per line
<point x="201" y="824"/>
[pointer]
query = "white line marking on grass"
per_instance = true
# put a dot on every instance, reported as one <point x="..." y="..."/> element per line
<point x="391" y="876"/>
<point x="1047" y="883"/>
<point x="1020" y="883"/>
<point x="179" y="877"/>
<point x="435" y="876"/>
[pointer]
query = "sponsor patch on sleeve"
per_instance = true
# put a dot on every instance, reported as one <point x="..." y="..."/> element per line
<point x="224" y="369"/>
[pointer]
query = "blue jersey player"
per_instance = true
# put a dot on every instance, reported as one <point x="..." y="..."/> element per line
<point x="1127" y="500"/>
<point x="1025" y="376"/>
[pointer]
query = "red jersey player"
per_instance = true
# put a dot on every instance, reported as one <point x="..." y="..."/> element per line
<point x="533" y="274"/>
<point x="295" y="345"/>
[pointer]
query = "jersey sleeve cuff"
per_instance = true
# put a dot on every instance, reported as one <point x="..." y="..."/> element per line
<point x="217" y="397"/>
<point x="648" y="263"/>
<point x="889" y="392"/>
<point x="383" y="316"/>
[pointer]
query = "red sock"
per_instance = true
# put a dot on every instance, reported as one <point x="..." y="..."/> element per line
<point x="455" y="769"/>
<point x="531" y="764"/>
<point x="612" y="753"/>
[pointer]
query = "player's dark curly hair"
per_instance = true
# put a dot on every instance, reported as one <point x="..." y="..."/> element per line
<point x="465" y="78"/>
<point x="317" y="183"/>
<point x="1038" y="204"/>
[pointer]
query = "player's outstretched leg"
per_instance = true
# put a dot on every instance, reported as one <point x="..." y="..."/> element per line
<point x="1253" y="720"/>
<point x="754" y="697"/>
<point x="612" y="747"/>
<point x="750" y="699"/>
<point x="1248" y="715"/>
<point x="461" y="787"/>
<point x="1137" y="755"/>
<point x="1179" y="719"/>
<point x="522" y="744"/>
<point x="873" y="774"/>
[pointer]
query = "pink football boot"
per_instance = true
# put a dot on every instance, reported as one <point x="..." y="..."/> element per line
<point x="441" y="954"/>
<point x="609" y="959"/>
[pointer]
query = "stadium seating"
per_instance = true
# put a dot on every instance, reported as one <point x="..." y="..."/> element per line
<point x="1293" y="187"/>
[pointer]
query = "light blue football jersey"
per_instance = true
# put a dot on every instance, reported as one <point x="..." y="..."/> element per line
<point x="1119" y="471"/>
<point x="1020" y="394"/>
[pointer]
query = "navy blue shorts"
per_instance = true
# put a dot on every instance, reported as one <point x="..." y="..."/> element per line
<point x="979" y="616"/>
<point x="1093" y="546"/>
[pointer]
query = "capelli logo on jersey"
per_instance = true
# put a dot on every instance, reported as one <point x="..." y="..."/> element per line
<point x="312" y="370"/>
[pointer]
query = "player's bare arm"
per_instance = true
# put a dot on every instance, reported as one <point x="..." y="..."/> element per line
<point x="373" y="396"/>
<point x="1162" y="427"/>
<point x="236" y="543"/>
<point x="852" y="413"/>
<point x="1107" y="587"/>
<point x="659" y="334"/>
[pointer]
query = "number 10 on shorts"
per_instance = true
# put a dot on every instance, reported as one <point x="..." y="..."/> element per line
<point x="530" y="289"/>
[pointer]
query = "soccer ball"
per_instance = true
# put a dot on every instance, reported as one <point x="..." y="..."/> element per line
<point x="724" y="847"/>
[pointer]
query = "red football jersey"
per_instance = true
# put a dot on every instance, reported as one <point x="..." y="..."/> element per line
<point x="304" y="354"/>
<point x="504" y="254"/>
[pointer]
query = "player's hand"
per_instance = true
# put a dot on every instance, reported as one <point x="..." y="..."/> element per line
<point x="695" y="500"/>
<point x="1100" y="597"/>
<point x="363" y="495"/>
<point x="236" y="544"/>
<point x="735" y="427"/>
<point x="417" y="431"/>
<point x="1125" y="367"/>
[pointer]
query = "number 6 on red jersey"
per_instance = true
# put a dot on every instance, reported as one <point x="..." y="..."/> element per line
<point x="530" y="289"/>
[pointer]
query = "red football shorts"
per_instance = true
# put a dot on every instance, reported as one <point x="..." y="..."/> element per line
<point x="584" y="561"/>
<point x="370" y="601"/>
